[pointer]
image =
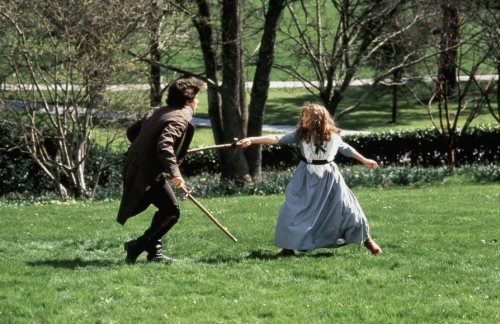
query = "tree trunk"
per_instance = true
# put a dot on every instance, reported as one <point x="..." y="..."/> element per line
<point x="261" y="81"/>
<point x="452" y="162"/>
<point x="396" y="78"/>
<point x="498" y="88"/>
<point x="81" y="151"/>
<point x="154" y="18"/>
<point x="234" y="163"/>
<point x="450" y="38"/>
<point x="203" y="25"/>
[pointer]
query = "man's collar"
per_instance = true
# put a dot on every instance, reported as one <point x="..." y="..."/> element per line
<point x="189" y="109"/>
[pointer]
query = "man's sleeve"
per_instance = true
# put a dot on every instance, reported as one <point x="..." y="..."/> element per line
<point x="165" y="147"/>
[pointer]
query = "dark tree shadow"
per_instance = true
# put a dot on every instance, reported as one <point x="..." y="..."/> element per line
<point x="220" y="259"/>
<point x="264" y="255"/>
<point x="75" y="263"/>
<point x="317" y="253"/>
<point x="261" y="255"/>
<point x="320" y="255"/>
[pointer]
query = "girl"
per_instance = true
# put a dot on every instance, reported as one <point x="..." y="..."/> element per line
<point x="319" y="211"/>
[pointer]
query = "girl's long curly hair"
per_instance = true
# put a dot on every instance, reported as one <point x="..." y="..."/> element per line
<point x="320" y="128"/>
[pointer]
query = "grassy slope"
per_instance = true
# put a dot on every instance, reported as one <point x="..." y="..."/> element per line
<point x="63" y="263"/>
<point x="283" y="107"/>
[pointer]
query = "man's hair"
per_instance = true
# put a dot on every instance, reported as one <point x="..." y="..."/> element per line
<point x="181" y="91"/>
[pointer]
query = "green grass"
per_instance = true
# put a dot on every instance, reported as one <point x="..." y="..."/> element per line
<point x="63" y="262"/>
<point x="374" y="114"/>
<point x="283" y="108"/>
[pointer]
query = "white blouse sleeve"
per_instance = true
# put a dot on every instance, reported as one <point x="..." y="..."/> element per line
<point x="345" y="149"/>
<point x="289" y="138"/>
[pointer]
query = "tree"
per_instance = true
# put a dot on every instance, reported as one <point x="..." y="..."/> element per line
<point x="489" y="19"/>
<point x="454" y="105"/>
<point x="261" y="81"/>
<point x="221" y="43"/>
<point x="449" y="41"/>
<point x="154" y="20"/>
<point x="228" y="110"/>
<point x="332" y="49"/>
<point x="63" y="54"/>
<point x="165" y="29"/>
<point x="232" y="119"/>
<point x="234" y="110"/>
<point x="409" y="45"/>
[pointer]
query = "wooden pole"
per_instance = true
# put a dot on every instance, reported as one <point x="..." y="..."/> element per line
<point x="212" y="218"/>
<point x="220" y="146"/>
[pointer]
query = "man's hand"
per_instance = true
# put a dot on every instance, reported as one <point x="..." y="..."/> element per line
<point x="178" y="182"/>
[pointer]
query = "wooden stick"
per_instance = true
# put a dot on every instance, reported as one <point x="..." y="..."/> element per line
<point x="220" y="146"/>
<point x="212" y="218"/>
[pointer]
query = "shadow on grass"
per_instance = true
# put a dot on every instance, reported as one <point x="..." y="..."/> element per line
<point x="252" y="255"/>
<point x="74" y="264"/>
<point x="264" y="255"/>
<point x="313" y="254"/>
<point x="219" y="259"/>
<point x="261" y="255"/>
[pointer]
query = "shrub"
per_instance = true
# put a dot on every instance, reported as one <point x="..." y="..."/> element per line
<point x="422" y="148"/>
<point x="481" y="173"/>
<point x="18" y="172"/>
<point x="20" y="175"/>
<point x="275" y="182"/>
<point x="478" y="152"/>
<point x="425" y="148"/>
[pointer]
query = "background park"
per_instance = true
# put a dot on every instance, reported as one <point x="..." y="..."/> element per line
<point x="417" y="82"/>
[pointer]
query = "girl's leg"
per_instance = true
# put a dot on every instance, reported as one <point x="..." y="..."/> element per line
<point x="372" y="246"/>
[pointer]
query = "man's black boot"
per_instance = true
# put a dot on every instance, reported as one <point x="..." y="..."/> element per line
<point x="134" y="248"/>
<point x="155" y="252"/>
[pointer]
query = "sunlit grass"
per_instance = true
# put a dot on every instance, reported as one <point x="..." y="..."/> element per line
<point x="283" y="108"/>
<point x="63" y="262"/>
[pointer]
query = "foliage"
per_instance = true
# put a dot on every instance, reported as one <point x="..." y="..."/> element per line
<point x="275" y="182"/>
<point x="481" y="173"/>
<point x="63" y="55"/>
<point x="413" y="148"/>
<point x="104" y="171"/>
<point x="63" y="263"/>
<point x="407" y="158"/>
<point x="18" y="172"/>
<point x="425" y="147"/>
<point x="20" y="175"/>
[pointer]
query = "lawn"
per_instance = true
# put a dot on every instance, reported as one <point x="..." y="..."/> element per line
<point x="283" y="108"/>
<point x="63" y="262"/>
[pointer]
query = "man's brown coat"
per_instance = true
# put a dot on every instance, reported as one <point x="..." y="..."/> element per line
<point x="159" y="143"/>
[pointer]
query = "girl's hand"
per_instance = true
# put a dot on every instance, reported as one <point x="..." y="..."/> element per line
<point x="371" y="164"/>
<point x="244" y="143"/>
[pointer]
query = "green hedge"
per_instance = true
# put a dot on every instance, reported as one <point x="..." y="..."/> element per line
<point x="416" y="150"/>
<point x="423" y="148"/>
<point x="18" y="172"/>
<point x="274" y="182"/>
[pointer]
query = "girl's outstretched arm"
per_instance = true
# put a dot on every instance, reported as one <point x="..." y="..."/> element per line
<point x="372" y="164"/>
<point x="268" y="139"/>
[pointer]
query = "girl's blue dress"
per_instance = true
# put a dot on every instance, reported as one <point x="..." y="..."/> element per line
<point x="319" y="211"/>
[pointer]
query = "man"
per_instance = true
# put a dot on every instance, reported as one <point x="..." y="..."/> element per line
<point x="159" y="142"/>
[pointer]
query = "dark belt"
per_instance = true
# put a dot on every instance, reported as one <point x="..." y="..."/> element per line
<point x="315" y="162"/>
